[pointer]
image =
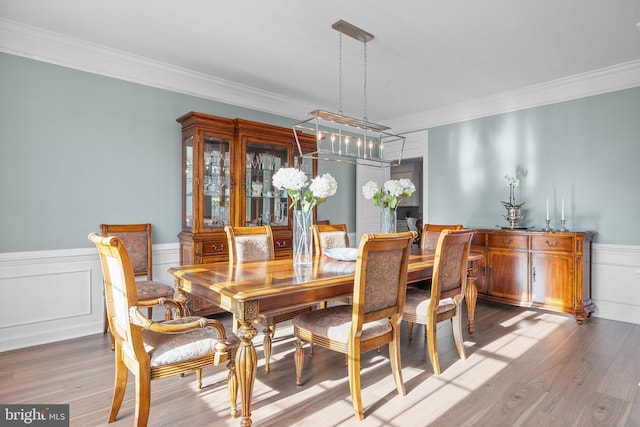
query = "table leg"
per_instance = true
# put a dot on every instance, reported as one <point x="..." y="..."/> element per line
<point x="471" y="295"/>
<point x="246" y="367"/>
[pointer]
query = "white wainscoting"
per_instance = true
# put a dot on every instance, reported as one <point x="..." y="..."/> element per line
<point x="56" y="295"/>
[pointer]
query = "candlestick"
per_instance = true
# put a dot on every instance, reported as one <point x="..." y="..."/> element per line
<point x="546" y="227"/>
<point x="346" y="145"/>
<point x="562" y="227"/>
<point x="358" y="144"/>
<point x="547" y="210"/>
<point x="562" y="216"/>
<point x="333" y="140"/>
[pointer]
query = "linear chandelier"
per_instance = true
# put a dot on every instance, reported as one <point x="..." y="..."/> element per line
<point x="346" y="139"/>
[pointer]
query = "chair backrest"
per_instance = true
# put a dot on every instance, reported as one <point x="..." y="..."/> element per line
<point x="120" y="291"/>
<point x="450" y="265"/>
<point x="323" y="222"/>
<point x="381" y="277"/>
<point x="137" y="240"/>
<point x="329" y="236"/>
<point x="431" y="233"/>
<point x="249" y="243"/>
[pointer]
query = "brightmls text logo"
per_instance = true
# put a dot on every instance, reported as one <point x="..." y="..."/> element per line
<point x="34" y="415"/>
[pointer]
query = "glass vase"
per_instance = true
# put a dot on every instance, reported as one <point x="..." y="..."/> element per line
<point x="302" y="250"/>
<point x="388" y="221"/>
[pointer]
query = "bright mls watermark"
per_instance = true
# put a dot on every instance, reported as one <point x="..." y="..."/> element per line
<point x="34" y="415"/>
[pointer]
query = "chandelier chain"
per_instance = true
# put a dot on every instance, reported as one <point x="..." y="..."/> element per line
<point x="340" y="72"/>
<point x="365" y="82"/>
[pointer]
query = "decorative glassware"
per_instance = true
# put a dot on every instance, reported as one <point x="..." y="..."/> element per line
<point x="388" y="220"/>
<point x="302" y="250"/>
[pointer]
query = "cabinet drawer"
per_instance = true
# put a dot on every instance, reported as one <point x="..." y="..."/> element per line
<point x="507" y="240"/>
<point x="478" y="239"/>
<point x="215" y="247"/>
<point x="282" y="244"/>
<point x="550" y="242"/>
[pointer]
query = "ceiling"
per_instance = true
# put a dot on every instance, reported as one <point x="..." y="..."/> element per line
<point x="426" y="54"/>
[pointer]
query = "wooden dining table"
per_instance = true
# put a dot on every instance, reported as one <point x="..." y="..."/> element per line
<point x="253" y="288"/>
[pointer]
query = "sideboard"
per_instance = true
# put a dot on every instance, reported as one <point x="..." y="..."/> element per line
<point x="548" y="270"/>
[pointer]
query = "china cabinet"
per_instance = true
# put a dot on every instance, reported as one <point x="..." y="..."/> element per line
<point x="549" y="270"/>
<point x="228" y="166"/>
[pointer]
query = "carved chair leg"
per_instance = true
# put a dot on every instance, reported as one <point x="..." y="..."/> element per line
<point x="456" y="323"/>
<point x="119" y="386"/>
<point x="396" y="364"/>
<point x="354" y="383"/>
<point x="143" y="397"/>
<point x="298" y="358"/>
<point x="267" y="343"/>
<point x="199" y="378"/>
<point x="432" y="344"/>
<point x="232" y="382"/>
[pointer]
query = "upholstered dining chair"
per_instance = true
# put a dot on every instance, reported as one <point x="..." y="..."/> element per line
<point x="373" y="319"/>
<point x="329" y="236"/>
<point x="137" y="240"/>
<point x="248" y="244"/>
<point x="152" y="350"/>
<point x="431" y="233"/>
<point x="444" y="300"/>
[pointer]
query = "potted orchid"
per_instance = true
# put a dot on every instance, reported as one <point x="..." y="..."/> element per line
<point x="513" y="209"/>
<point x="387" y="198"/>
<point x="303" y="199"/>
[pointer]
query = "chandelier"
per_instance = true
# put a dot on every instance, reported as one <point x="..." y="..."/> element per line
<point x="346" y="139"/>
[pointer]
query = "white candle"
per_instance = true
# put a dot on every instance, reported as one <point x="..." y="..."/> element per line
<point x="547" y="208"/>
<point x="562" y="218"/>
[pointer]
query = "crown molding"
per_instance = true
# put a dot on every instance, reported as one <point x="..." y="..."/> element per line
<point x="610" y="79"/>
<point x="35" y="43"/>
<point x="42" y="45"/>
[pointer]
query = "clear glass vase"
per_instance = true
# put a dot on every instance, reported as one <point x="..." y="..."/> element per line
<point x="302" y="250"/>
<point x="388" y="221"/>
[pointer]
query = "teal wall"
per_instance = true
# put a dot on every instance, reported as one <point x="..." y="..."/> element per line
<point x="585" y="151"/>
<point x="62" y="130"/>
<point x="79" y="149"/>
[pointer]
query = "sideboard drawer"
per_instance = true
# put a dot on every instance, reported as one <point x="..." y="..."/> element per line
<point x="507" y="240"/>
<point x="549" y="242"/>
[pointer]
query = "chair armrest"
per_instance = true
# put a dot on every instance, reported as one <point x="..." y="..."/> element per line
<point x="180" y="308"/>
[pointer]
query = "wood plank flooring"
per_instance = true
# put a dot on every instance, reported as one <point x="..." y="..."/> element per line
<point x="524" y="367"/>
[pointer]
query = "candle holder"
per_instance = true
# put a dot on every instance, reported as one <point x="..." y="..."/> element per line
<point x="546" y="227"/>
<point x="562" y="222"/>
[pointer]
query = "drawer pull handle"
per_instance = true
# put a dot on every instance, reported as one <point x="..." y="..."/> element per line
<point x="506" y="241"/>
<point x="552" y="245"/>
<point x="281" y="244"/>
<point x="218" y="248"/>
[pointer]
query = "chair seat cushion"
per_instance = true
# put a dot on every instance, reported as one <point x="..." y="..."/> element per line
<point x="153" y="290"/>
<point x="170" y="348"/>
<point x="418" y="300"/>
<point x="334" y="323"/>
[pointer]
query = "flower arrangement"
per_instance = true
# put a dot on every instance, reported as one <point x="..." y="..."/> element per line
<point x="512" y="182"/>
<point x="294" y="181"/>
<point x="389" y="195"/>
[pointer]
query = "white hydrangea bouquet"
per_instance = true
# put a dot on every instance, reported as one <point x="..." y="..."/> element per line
<point x="303" y="199"/>
<point x="389" y="195"/>
<point x="295" y="182"/>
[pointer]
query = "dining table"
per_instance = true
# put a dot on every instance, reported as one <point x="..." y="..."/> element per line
<point x="253" y="288"/>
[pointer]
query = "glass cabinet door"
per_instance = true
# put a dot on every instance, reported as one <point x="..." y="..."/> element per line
<point x="265" y="205"/>
<point x="187" y="200"/>
<point x="216" y="182"/>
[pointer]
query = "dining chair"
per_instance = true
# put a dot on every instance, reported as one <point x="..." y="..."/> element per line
<point x="431" y="233"/>
<point x="153" y="350"/>
<point x="444" y="300"/>
<point x="137" y="239"/>
<point x="248" y="244"/>
<point x="329" y="236"/>
<point x="374" y="317"/>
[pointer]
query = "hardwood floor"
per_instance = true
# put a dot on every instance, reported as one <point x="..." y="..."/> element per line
<point x="524" y="368"/>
